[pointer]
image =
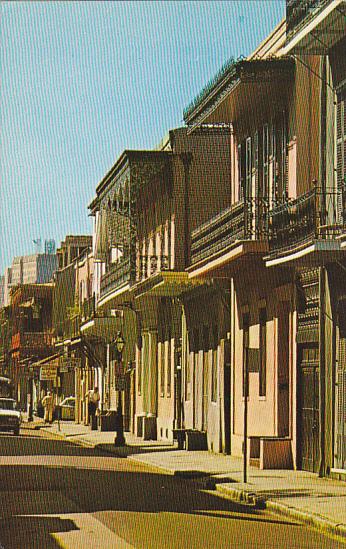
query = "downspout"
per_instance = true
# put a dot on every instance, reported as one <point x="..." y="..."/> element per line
<point x="322" y="277"/>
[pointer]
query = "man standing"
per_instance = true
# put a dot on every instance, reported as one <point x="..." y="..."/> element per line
<point x="94" y="399"/>
<point x="48" y="405"/>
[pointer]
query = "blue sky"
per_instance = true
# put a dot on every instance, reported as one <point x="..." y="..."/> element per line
<point x="81" y="81"/>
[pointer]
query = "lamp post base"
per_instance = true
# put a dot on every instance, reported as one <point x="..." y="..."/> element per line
<point x="119" y="440"/>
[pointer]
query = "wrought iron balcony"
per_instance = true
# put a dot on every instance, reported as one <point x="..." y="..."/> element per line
<point x="246" y="220"/>
<point x="88" y="309"/>
<point x="72" y="327"/>
<point x="156" y="264"/>
<point x="117" y="275"/>
<point x="317" y="215"/>
<point x="300" y="12"/>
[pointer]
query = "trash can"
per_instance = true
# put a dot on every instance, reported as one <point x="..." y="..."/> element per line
<point x="108" y="421"/>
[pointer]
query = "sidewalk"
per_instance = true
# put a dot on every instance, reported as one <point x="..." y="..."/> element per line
<point x="298" y="494"/>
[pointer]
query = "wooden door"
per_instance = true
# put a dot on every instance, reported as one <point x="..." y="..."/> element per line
<point x="283" y="370"/>
<point x="308" y="408"/>
<point x="340" y="438"/>
<point x="205" y="391"/>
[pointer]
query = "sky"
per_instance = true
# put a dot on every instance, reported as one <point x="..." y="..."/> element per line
<point x="82" y="81"/>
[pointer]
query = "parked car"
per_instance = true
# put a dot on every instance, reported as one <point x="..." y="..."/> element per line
<point x="66" y="409"/>
<point x="10" y="417"/>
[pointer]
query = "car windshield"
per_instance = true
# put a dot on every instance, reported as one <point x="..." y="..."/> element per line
<point x="68" y="402"/>
<point x="7" y="404"/>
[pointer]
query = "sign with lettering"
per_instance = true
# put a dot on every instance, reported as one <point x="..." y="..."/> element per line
<point x="68" y="363"/>
<point x="48" y="372"/>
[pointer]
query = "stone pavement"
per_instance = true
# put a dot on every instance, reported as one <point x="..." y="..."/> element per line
<point x="298" y="494"/>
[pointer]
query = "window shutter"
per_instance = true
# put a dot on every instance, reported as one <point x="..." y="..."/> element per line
<point x="341" y="411"/>
<point x="341" y="151"/>
<point x="240" y="174"/>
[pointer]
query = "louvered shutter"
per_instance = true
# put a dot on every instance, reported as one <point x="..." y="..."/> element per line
<point x="341" y="410"/>
<point x="341" y="152"/>
<point x="240" y="174"/>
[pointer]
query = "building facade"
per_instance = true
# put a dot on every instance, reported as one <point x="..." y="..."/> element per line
<point x="144" y="211"/>
<point x="280" y="243"/>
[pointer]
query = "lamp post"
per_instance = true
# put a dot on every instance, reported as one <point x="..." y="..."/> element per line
<point x="31" y="393"/>
<point x="119" y="343"/>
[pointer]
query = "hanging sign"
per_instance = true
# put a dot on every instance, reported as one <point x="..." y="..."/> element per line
<point x="48" y="372"/>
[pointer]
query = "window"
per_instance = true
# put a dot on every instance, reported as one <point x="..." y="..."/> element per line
<point x="265" y="184"/>
<point x="246" y="324"/>
<point x="189" y="355"/>
<point x="169" y="366"/>
<point x="162" y="368"/>
<point x="139" y="366"/>
<point x="241" y="172"/>
<point x="248" y="168"/>
<point x="214" y="368"/>
<point x="263" y="351"/>
<point x="281" y="158"/>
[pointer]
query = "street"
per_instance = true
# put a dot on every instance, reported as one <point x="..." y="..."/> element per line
<point x="56" y="494"/>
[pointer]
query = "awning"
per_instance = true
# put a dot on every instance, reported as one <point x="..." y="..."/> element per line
<point x="104" y="327"/>
<point x="166" y="284"/>
<point x="246" y="89"/>
<point x="53" y="359"/>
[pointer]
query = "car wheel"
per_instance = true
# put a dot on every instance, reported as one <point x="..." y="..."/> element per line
<point x="16" y="432"/>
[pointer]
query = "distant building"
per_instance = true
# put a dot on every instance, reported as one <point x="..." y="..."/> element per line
<point x="2" y="288"/>
<point x="29" y="269"/>
<point x="7" y="285"/>
<point x="71" y="248"/>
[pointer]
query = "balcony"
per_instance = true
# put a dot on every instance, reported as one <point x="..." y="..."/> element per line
<point x="88" y="309"/>
<point x="150" y="265"/>
<point x="244" y="221"/>
<point x="72" y="327"/>
<point x="314" y="26"/>
<point x="298" y="12"/>
<point x="317" y="216"/>
<point x="35" y="341"/>
<point x="116" y="276"/>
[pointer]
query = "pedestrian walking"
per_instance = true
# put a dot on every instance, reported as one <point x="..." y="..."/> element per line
<point x="93" y="397"/>
<point x="48" y="405"/>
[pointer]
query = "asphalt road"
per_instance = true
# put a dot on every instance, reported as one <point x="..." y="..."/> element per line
<point x="56" y="494"/>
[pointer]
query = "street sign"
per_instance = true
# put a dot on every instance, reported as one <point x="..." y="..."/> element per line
<point x="48" y="372"/>
<point x="67" y="363"/>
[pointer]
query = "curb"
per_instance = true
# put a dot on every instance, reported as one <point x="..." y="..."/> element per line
<point x="251" y="498"/>
<point x="235" y="494"/>
<point x="325" y="525"/>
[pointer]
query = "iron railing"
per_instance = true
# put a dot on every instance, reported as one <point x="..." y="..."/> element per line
<point x="71" y="327"/>
<point x="118" y="274"/>
<point x="317" y="215"/>
<point x="150" y="265"/>
<point x="299" y="12"/>
<point x="88" y="308"/>
<point x="245" y="220"/>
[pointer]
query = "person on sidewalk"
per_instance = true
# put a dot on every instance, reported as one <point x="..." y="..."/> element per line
<point x="93" y="403"/>
<point x="48" y="405"/>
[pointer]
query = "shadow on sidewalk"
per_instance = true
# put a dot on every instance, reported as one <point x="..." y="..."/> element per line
<point x="128" y="450"/>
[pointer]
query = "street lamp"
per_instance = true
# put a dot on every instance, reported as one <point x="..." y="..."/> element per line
<point x="119" y="343"/>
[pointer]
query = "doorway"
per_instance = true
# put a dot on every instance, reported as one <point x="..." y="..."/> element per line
<point x="308" y="408"/>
